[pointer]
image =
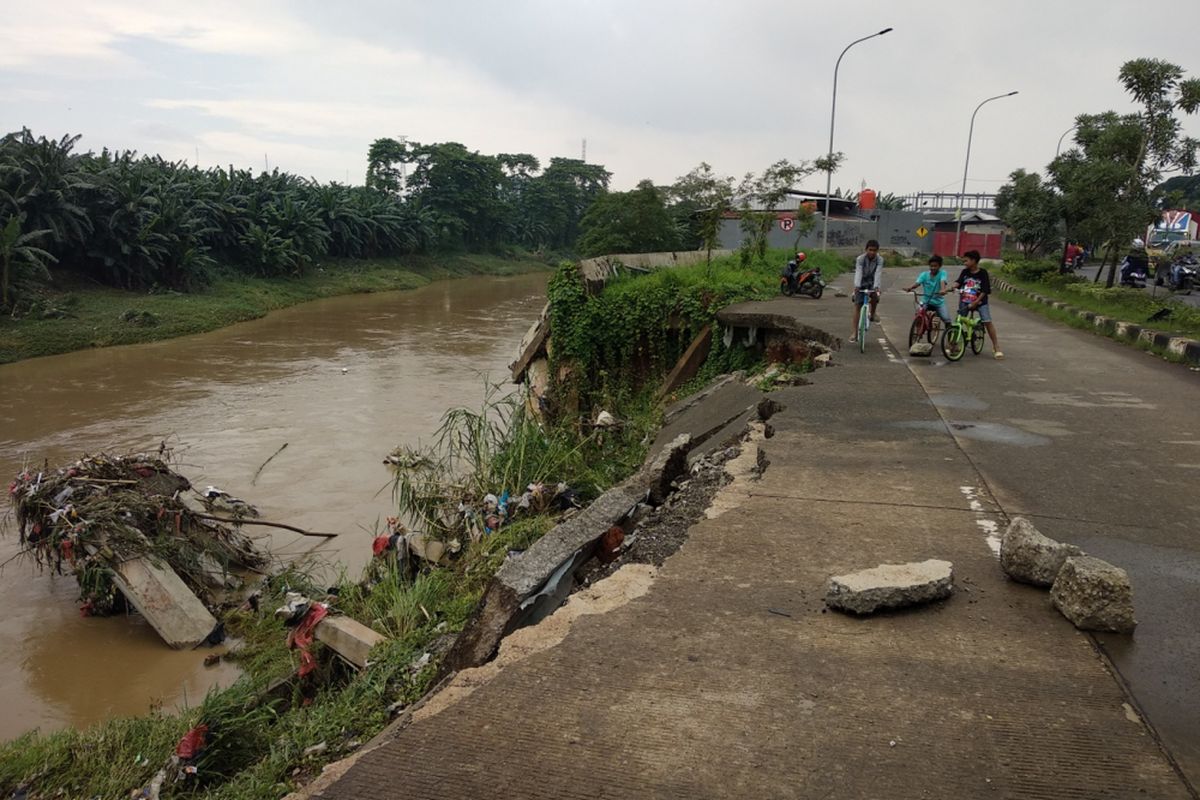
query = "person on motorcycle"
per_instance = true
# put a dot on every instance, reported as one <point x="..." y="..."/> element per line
<point x="792" y="271"/>
<point x="1136" y="264"/>
<point x="868" y="275"/>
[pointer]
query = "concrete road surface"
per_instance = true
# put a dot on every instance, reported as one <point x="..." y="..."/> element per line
<point x="1099" y="444"/>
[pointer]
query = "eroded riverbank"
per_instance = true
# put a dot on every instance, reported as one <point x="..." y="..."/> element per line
<point x="341" y="381"/>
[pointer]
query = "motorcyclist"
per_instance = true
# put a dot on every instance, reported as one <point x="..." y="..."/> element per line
<point x="1136" y="263"/>
<point x="793" y="269"/>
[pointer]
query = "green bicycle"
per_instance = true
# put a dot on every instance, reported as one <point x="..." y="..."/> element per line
<point x="966" y="330"/>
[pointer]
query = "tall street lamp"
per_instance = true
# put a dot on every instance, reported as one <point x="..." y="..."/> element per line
<point x="1058" y="149"/>
<point x="967" y="166"/>
<point x="832" y="113"/>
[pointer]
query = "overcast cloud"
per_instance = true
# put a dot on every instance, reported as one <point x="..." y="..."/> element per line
<point x="655" y="87"/>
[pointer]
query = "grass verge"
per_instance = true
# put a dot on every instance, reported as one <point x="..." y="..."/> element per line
<point x="81" y="316"/>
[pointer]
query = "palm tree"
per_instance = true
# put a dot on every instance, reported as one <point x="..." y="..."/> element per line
<point x="17" y="252"/>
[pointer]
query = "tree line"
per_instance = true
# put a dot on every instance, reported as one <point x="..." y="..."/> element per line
<point x="1107" y="188"/>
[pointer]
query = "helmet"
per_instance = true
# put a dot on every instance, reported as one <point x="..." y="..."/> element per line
<point x="800" y="257"/>
<point x="1138" y="244"/>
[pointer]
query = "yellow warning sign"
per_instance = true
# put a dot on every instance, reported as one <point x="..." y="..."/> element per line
<point x="922" y="231"/>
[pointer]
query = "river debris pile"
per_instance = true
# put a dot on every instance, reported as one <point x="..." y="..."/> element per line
<point x="102" y="511"/>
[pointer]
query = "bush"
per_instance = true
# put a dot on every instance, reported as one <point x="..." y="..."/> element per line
<point x="1024" y="270"/>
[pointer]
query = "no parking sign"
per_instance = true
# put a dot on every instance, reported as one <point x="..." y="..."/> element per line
<point x="787" y="224"/>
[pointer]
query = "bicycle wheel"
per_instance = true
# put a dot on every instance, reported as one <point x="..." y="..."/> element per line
<point x="953" y="346"/>
<point x="977" y="339"/>
<point x="864" y="322"/>
<point x="933" y="329"/>
<point x="917" y="330"/>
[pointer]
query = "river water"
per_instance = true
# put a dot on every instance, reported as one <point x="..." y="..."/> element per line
<point x="341" y="381"/>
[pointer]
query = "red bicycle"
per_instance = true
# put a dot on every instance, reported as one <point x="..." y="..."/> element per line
<point x="926" y="324"/>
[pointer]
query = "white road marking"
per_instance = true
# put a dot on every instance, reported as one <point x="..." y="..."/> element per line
<point x="887" y="351"/>
<point x="989" y="527"/>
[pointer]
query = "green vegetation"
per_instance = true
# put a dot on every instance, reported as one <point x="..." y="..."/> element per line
<point x="633" y="331"/>
<point x="81" y="315"/>
<point x="628" y="222"/>
<point x="1130" y="305"/>
<point x="1106" y="190"/>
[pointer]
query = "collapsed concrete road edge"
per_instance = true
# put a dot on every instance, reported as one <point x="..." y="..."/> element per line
<point x="503" y="607"/>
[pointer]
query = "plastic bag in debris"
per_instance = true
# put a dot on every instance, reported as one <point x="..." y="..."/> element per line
<point x="295" y="607"/>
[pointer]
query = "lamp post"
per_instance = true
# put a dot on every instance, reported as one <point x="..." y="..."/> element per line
<point x="967" y="166"/>
<point x="1058" y="149"/>
<point x="832" y="113"/>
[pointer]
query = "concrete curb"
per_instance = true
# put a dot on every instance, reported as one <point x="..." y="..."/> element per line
<point x="1181" y="346"/>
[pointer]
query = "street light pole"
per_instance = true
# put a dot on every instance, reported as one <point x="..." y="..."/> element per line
<point x="832" y="114"/>
<point x="967" y="166"/>
<point x="1059" y="147"/>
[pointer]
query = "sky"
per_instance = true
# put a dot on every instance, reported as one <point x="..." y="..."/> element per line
<point x="655" y="87"/>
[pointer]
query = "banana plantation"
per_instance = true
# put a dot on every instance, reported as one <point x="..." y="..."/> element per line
<point x="140" y="222"/>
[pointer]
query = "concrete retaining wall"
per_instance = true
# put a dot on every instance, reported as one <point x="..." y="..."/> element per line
<point x="1179" y="346"/>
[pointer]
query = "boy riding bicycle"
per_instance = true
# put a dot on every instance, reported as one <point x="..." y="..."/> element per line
<point x="932" y="283"/>
<point x="868" y="276"/>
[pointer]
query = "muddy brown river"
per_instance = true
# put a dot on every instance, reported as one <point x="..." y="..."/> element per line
<point x="341" y="381"/>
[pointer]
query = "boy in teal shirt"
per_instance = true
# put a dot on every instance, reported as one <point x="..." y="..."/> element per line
<point x="932" y="283"/>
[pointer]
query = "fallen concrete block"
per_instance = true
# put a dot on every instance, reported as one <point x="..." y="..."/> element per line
<point x="921" y="349"/>
<point x="166" y="602"/>
<point x="891" y="586"/>
<point x="349" y="638"/>
<point x="823" y="360"/>
<point x="1094" y="595"/>
<point x="666" y="466"/>
<point x="1029" y="557"/>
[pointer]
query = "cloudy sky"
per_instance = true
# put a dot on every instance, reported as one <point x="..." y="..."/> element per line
<point x="655" y="87"/>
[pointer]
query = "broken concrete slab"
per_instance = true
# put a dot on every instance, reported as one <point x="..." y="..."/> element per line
<point x="667" y="465"/>
<point x="550" y="561"/>
<point x="349" y="638"/>
<point x="1027" y="556"/>
<point x="161" y="596"/>
<point x="689" y="363"/>
<point x="921" y="349"/>
<point x="708" y="412"/>
<point x="891" y="586"/>
<point x="1094" y="595"/>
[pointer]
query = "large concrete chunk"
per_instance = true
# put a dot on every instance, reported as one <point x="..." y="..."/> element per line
<point x="665" y="467"/>
<point x="166" y="602"/>
<point x="349" y="638"/>
<point x="1094" y="595"/>
<point x="1029" y="557"/>
<point x="891" y="586"/>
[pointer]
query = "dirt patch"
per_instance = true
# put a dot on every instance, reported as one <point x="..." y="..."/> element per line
<point x="664" y="529"/>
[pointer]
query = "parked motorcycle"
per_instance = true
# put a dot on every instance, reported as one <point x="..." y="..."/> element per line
<point x="810" y="283"/>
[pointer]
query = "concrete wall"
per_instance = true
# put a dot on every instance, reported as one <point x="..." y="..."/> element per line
<point x="892" y="229"/>
<point x="600" y="268"/>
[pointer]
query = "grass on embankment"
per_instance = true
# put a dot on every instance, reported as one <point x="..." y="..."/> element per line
<point x="98" y="316"/>
<point x="1127" y="305"/>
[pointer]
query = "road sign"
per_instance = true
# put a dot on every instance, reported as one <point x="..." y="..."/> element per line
<point x="922" y="231"/>
<point x="787" y="224"/>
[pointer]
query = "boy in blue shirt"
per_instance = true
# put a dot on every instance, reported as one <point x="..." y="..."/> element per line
<point x="932" y="283"/>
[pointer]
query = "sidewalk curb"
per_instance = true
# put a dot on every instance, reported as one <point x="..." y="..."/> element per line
<point x="1185" y="348"/>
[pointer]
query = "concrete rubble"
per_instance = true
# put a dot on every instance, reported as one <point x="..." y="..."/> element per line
<point x="1094" y="595"/>
<point x="891" y="586"/>
<point x="1027" y="556"/>
<point x="921" y="349"/>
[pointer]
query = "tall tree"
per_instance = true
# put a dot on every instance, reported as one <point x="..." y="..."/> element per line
<point x="703" y="198"/>
<point x="761" y="198"/>
<point x="627" y="222"/>
<point x="1032" y="209"/>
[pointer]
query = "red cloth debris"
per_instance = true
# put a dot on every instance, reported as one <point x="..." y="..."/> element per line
<point x="67" y="548"/>
<point x="301" y="637"/>
<point x="380" y="545"/>
<point x="192" y="743"/>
